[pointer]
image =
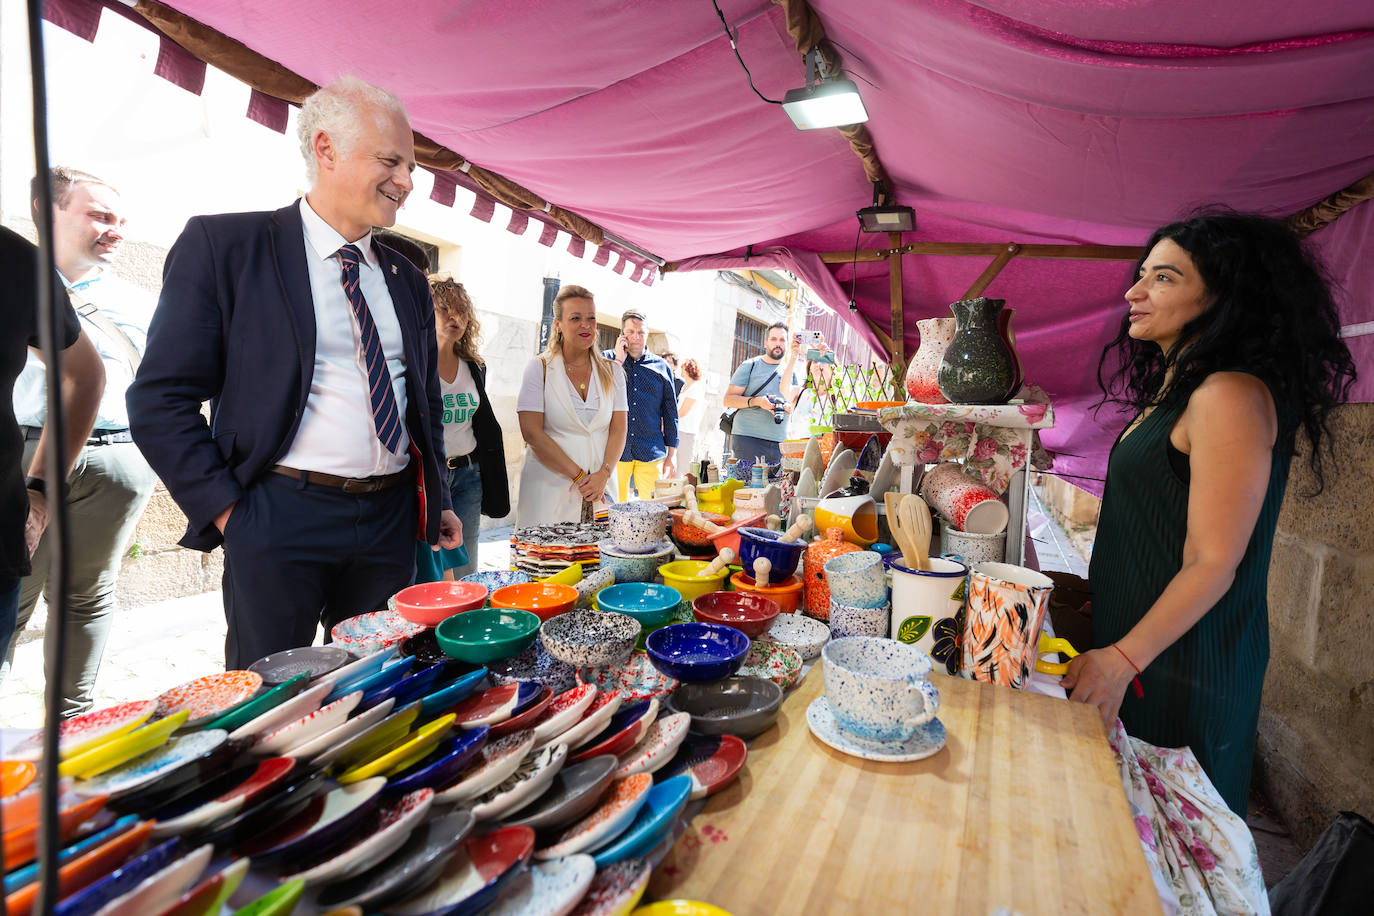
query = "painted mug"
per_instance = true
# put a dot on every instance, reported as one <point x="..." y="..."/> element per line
<point x="922" y="596"/>
<point x="963" y="501"/>
<point x="1049" y="645"/>
<point x="878" y="689"/>
<point x="848" y="620"/>
<point x="857" y="579"/>
<point x="1004" y="610"/>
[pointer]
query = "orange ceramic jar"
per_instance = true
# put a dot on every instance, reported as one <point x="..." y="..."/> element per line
<point x="817" y="590"/>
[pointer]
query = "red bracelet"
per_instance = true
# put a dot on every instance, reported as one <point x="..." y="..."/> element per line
<point x="1135" y="681"/>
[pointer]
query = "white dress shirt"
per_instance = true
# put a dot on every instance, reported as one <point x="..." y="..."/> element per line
<point x="337" y="434"/>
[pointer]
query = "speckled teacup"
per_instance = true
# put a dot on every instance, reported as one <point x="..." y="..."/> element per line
<point x="638" y="527"/>
<point x="849" y="620"/>
<point x="878" y="688"/>
<point x="857" y="579"/>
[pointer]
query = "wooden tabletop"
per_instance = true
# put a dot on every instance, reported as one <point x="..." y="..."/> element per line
<point x="1022" y="809"/>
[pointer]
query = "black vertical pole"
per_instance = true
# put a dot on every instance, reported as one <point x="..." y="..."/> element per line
<point x="551" y="287"/>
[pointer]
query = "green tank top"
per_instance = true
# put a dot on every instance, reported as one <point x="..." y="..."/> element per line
<point x="1204" y="690"/>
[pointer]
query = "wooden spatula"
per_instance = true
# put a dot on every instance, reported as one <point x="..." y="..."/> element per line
<point x="893" y="503"/>
<point x="916" y="527"/>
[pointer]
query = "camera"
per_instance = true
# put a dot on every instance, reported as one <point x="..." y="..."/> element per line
<point x="779" y="413"/>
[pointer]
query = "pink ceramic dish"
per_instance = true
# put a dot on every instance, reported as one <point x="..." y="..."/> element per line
<point x="749" y="613"/>
<point x="429" y="603"/>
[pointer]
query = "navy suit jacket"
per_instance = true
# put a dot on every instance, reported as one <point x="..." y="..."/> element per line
<point x="235" y="325"/>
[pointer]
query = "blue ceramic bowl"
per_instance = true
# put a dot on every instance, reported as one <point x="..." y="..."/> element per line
<point x="90" y="899"/>
<point x="634" y="567"/>
<point x="656" y="817"/>
<point x="697" y="651"/>
<point x="435" y="703"/>
<point x="443" y="765"/>
<point x="760" y="542"/>
<point x="408" y="688"/>
<point x="497" y="578"/>
<point x="652" y="605"/>
<point x="384" y="678"/>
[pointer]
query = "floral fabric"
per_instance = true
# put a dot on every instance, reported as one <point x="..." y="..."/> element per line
<point x="1200" y="852"/>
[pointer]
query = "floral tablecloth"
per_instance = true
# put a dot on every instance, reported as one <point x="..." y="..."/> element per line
<point x="992" y="440"/>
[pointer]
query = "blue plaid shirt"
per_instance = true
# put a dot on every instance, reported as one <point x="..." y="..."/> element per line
<point x="651" y="424"/>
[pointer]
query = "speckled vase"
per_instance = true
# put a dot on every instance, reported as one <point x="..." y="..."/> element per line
<point x="922" y="382"/>
<point x="977" y="367"/>
<point x="1004" y="330"/>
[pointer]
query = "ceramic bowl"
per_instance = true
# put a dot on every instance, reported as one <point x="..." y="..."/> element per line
<point x="637" y="527"/>
<point x="308" y="727"/>
<point x="430" y="602"/>
<point x="589" y="639"/>
<point x="221" y="798"/>
<point x="122" y="880"/>
<point x="730" y="536"/>
<point x="368" y="633"/>
<point x="275" y="806"/>
<point x="411" y="687"/>
<point x="697" y="651"/>
<point x="634" y="679"/>
<point x="83" y="863"/>
<point x="740" y="706"/>
<point x="544" y="599"/>
<point x="535" y="774"/>
<point x="443" y="765"/>
<point x="631" y="567"/>
<point x="617" y="809"/>
<point x="444" y="698"/>
<point x="690" y="538"/>
<point x="209" y="697"/>
<point x="750" y="614"/>
<point x="337" y="736"/>
<point x="119" y="750"/>
<point x="652" y="822"/>
<point x="498" y="761"/>
<point x="484" y="636"/>
<point x="760" y="542"/>
<point x="711" y="761"/>
<point x="616" y="888"/>
<point x="657" y="746"/>
<point x="322" y="824"/>
<point x="264" y="702"/>
<point x="574" y="792"/>
<point x="650" y="604"/>
<point x="364" y="667"/>
<point x="313" y="661"/>
<point x="563" y="712"/>
<point x="623" y="732"/>
<point x="797" y="631"/>
<point x="473" y="876"/>
<point x="498" y="578"/>
<point x="779" y="664"/>
<point x="534" y="665"/>
<point x="787" y="593"/>
<point x="392" y="827"/>
<point x="685" y="576"/>
<point x="187" y="750"/>
<point x="526" y="716"/>
<point x="86" y="731"/>
<point x="415" y="865"/>
<point x="550" y="887"/>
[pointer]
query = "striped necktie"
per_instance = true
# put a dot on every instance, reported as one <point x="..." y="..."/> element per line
<point x="385" y="414"/>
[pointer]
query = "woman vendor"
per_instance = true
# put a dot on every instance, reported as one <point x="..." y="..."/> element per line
<point x="1230" y="347"/>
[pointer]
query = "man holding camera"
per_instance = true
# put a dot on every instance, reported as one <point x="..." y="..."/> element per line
<point x="760" y="422"/>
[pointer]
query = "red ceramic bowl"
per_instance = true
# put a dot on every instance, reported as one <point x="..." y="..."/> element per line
<point x="429" y="603"/>
<point x="543" y="599"/>
<point x="749" y="613"/>
<point x="856" y="439"/>
<point x="691" y="534"/>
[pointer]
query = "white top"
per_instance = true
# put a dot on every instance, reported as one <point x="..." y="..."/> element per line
<point x="460" y="406"/>
<point x="337" y="434"/>
<point x="531" y="395"/>
<point x="130" y="309"/>
<point x="691" y="423"/>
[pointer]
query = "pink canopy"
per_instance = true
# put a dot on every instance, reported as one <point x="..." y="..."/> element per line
<point x="1033" y="121"/>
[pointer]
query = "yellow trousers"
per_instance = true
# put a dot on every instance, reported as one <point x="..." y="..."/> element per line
<point x="646" y="474"/>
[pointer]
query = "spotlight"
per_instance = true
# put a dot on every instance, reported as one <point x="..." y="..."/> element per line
<point x="886" y="217"/>
<point x="831" y="102"/>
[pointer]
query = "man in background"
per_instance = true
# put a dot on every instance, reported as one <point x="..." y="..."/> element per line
<point x="760" y="422"/>
<point x="651" y="433"/>
<point x="112" y="482"/>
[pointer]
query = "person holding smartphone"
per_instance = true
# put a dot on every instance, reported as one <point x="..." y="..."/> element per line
<point x="808" y="401"/>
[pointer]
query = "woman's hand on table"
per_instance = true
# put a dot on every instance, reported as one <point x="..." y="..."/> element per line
<point x="1099" y="677"/>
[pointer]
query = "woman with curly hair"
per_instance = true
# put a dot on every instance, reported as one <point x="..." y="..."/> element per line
<point x="1231" y="347"/>
<point x="472" y="436"/>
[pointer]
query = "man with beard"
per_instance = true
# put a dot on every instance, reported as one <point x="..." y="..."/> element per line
<point x="315" y="345"/>
<point x="755" y="391"/>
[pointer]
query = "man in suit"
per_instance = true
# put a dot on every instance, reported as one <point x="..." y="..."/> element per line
<point x="315" y="345"/>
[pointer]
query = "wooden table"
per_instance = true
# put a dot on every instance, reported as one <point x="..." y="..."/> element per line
<point x="1022" y="809"/>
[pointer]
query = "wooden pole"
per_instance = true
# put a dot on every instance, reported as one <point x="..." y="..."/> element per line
<point x="991" y="271"/>
<point x="971" y="249"/>
<point x="897" y="347"/>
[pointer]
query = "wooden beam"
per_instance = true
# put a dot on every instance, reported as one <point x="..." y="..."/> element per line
<point x="897" y="349"/>
<point x="976" y="249"/>
<point x="878" y="332"/>
<point x="991" y="271"/>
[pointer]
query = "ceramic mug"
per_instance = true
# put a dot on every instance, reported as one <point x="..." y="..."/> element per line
<point x="1004" y="611"/>
<point x="1048" y="645"/>
<point x="856" y="516"/>
<point x="638" y="527"/>
<point x="972" y="548"/>
<point x="878" y="689"/>
<point x="922" y="596"/>
<point x="964" y="501"/>
<point x="847" y="620"/>
<point x="857" y="579"/>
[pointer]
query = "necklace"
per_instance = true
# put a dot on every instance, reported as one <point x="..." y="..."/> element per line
<point x="581" y="386"/>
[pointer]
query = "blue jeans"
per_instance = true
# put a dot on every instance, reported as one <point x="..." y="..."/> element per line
<point x="9" y="610"/>
<point x="751" y="447"/>
<point x="465" y="489"/>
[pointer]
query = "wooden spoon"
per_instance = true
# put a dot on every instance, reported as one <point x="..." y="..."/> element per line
<point x="762" y="567"/>
<point x="916" y="526"/>
<point x="799" y="527"/>
<point x="893" y="502"/>
<point x="716" y="566"/>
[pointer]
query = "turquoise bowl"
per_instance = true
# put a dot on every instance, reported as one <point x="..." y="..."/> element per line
<point x="487" y="635"/>
<point x="651" y="604"/>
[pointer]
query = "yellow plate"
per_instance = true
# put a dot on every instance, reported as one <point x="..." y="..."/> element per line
<point x="679" y="908"/>
<point x="402" y="752"/>
<point x="570" y="576"/>
<point x="119" y="750"/>
<point x="392" y="727"/>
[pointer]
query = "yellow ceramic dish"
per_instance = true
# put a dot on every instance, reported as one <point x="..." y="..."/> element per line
<point x="679" y="908"/>
<point x="122" y="749"/>
<point x="570" y="576"/>
<point x="392" y="727"/>
<point x="401" y="753"/>
<point x="686" y="577"/>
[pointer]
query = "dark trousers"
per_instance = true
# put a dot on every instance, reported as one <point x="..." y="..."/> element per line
<point x="9" y="607"/>
<point x="299" y="554"/>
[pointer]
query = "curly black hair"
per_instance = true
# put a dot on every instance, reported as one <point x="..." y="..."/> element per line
<point x="1271" y="314"/>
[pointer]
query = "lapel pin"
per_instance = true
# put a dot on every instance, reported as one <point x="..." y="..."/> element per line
<point x="393" y="268"/>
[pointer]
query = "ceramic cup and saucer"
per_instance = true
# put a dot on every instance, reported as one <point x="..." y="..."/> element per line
<point x="879" y="703"/>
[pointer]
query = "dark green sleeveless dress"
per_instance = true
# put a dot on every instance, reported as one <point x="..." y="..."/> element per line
<point x="1204" y="690"/>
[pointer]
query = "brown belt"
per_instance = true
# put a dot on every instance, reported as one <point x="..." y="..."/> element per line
<point x="347" y="484"/>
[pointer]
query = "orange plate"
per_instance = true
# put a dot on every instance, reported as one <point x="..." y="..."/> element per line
<point x="15" y="776"/>
<point x="21" y="844"/>
<point x="878" y="405"/>
<point x="85" y="869"/>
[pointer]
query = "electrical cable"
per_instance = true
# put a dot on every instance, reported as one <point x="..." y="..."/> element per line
<point x="854" y="270"/>
<point x="50" y="327"/>
<point x="733" y="47"/>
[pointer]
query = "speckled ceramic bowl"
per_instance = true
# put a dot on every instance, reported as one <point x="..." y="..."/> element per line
<point x="631" y="567"/>
<point x="637" y="527"/>
<point x="590" y="638"/>
<point x="497" y="578"/>
<point x="534" y="665"/>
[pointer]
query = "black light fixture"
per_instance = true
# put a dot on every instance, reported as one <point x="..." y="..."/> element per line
<point x="832" y="101"/>
<point x="886" y="217"/>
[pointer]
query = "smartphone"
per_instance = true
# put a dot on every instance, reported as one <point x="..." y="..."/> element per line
<point x="820" y="356"/>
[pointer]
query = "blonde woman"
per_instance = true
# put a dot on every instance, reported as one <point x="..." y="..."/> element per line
<point x="473" y="444"/>
<point x="572" y="408"/>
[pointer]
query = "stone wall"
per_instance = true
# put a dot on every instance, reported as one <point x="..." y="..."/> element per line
<point x="1315" y="754"/>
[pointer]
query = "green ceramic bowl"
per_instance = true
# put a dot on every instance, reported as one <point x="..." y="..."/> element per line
<point x="486" y="635"/>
